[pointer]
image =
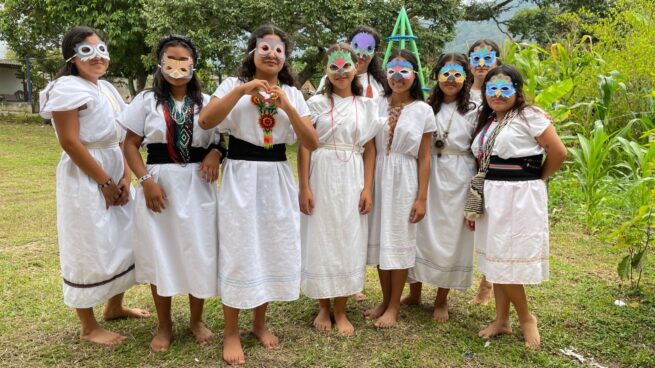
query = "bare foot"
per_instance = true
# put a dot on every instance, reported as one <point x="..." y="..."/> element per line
<point x="388" y="319"/>
<point x="375" y="312"/>
<point x="202" y="333"/>
<point x="344" y="326"/>
<point x="531" y="333"/>
<point x="440" y="313"/>
<point x="410" y="299"/>
<point x="124" y="312"/>
<point x="483" y="296"/>
<point x="322" y="322"/>
<point x="266" y="337"/>
<point x="161" y="341"/>
<point x="102" y="337"/>
<point x="232" y="351"/>
<point x="496" y="328"/>
<point x="359" y="297"/>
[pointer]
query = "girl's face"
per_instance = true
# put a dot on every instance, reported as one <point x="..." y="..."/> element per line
<point x="177" y="65"/>
<point x="96" y="56"/>
<point x="451" y="78"/>
<point x="269" y="54"/>
<point x="482" y="59"/>
<point x="341" y="70"/>
<point x="500" y="93"/>
<point x="363" y="44"/>
<point x="400" y="75"/>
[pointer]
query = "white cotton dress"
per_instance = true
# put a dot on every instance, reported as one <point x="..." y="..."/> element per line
<point x="177" y="249"/>
<point x="334" y="237"/>
<point x="95" y="243"/>
<point x="259" y="226"/>
<point x="364" y="79"/>
<point x="444" y="255"/>
<point x="392" y="238"/>
<point x="511" y="237"/>
<point x="476" y="96"/>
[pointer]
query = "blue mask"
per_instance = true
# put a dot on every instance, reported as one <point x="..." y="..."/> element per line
<point x="500" y="86"/>
<point x="482" y="57"/>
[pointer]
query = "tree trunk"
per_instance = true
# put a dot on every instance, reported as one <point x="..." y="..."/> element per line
<point x="312" y="67"/>
<point x="141" y="81"/>
<point x="130" y="87"/>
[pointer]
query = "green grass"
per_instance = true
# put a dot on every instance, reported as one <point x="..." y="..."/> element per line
<point x="575" y="309"/>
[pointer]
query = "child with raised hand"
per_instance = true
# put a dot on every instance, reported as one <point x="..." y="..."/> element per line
<point x="402" y="171"/>
<point x="444" y="245"/>
<point x="511" y="227"/>
<point x="259" y="231"/>
<point x="176" y="215"/>
<point x="484" y="55"/>
<point x="94" y="217"/>
<point x="336" y="183"/>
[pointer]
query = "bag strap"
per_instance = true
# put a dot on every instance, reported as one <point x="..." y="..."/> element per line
<point x="486" y="158"/>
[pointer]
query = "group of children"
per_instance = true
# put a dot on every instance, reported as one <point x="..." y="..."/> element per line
<point x="384" y="179"/>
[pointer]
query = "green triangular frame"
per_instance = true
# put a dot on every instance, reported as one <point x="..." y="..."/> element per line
<point x="402" y="33"/>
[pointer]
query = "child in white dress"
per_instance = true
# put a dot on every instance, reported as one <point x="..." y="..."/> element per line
<point x="336" y="183"/>
<point x="176" y="213"/>
<point x="259" y="226"/>
<point x="402" y="171"/>
<point x="94" y="217"/>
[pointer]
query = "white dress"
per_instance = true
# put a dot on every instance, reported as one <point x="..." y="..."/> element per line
<point x="259" y="229"/>
<point x="511" y="237"/>
<point x="334" y="238"/>
<point x="364" y="79"/>
<point x="177" y="249"/>
<point x="476" y="96"/>
<point x="95" y="243"/>
<point x="392" y="238"/>
<point x="444" y="245"/>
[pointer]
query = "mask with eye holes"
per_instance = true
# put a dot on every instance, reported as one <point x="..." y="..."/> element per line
<point x="87" y="51"/>
<point x="453" y="73"/>
<point x="266" y="46"/>
<point x="482" y="56"/>
<point x="176" y="69"/>
<point x="363" y="44"/>
<point x="340" y="63"/>
<point x="400" y="69"/>
<point x="500" y="85"/>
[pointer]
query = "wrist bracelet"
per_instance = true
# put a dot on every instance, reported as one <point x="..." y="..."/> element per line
<point x="144" y="178"/>
<point x="106" y="185"/>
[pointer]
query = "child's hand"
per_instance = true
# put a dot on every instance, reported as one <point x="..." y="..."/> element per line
<point x="254" y="86"/>
<point x="154" y="195"/>
<point x="209" y="166"/>
<point x="124" y="187"/>
<point x="469" y="224"/>
<point x="306" y="201"/>
<point x="418" y="211"/>
<point x="112" y="194"/>
<point x="280" y="98"/>
<point x="365" y="201"/>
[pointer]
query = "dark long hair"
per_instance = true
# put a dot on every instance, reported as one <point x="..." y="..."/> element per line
<point x="247" y="70"/>
<point x="488" y="42"/>
<point x="74" y="36"/>
<point x="517" y="80"/>
<point x="464" y="104"/>
<point x="160" y="87"/>
<point x="375" y="66"/>
<point x="415" y="90"/>
<point x="355" y="87"/>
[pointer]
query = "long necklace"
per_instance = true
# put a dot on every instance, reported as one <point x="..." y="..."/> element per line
<point x="267" y="110"/>
<point x="179" y="129"/>
<point x="440" y="139"/>
<point x="334" y="139"/>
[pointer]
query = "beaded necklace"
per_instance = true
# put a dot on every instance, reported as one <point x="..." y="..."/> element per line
<point x="179" y="128"/>
<point x="267" y="110"/>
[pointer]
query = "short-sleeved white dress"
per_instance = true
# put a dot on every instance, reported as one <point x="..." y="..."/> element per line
<point x="444" y="255"/>
<point x="511" y="238"/>
<point x="334" y="237"/>
<point x="259" y="222"/>
<point x="392" y="238"/>
<point x="177" y="249"/>
<point x="95" y="243"/>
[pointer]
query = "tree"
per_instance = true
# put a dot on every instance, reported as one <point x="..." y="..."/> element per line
<point x="221" y="27"/>
<point x="32" y="28"/>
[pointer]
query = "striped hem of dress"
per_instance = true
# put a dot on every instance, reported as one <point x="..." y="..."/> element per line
<point x="512" y="260"/>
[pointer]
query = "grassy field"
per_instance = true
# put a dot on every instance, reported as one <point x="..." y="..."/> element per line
<point x="575" y="309"/>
